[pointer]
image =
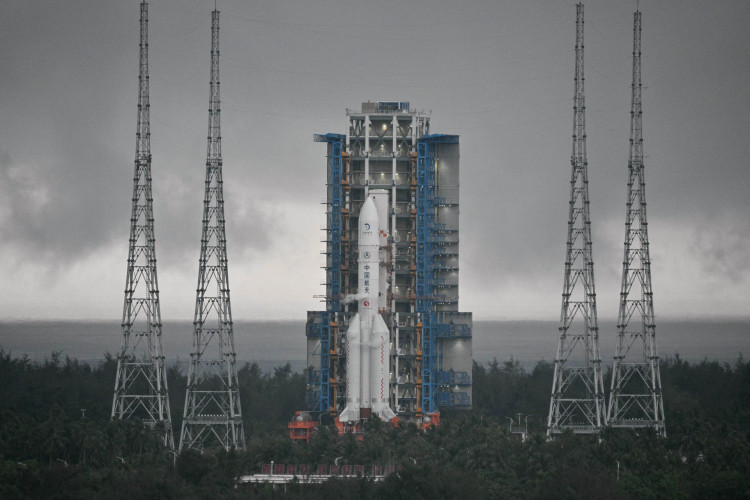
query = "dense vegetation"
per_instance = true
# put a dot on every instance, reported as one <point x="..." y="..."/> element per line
<point x="51" y="448"/>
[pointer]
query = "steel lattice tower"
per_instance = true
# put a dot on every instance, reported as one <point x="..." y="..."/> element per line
<point x="577" y="401"/>
<point x="636" y="398"/>
<point x="141" y="382"/>
<point x="213" y="416"/>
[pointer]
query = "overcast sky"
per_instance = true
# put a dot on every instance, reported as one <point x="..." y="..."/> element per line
<point x="497" y="73"/>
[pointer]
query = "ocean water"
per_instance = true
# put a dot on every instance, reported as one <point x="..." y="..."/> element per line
<point x="274" y="343"/>
<point x="269" y="343"/>
<point x="533" y="341"/>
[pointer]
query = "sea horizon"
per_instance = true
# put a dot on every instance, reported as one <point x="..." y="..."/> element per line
<point x="273" y="343"/>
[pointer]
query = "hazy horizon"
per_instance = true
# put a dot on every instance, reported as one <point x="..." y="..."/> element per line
<point x="272" y="343"/>
<point x="672" y="319"/>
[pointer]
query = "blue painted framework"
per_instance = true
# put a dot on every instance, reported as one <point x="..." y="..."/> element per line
<point x="333" y="271"/>
<point x="425" y="302"/>
<point x="427" y="235"/>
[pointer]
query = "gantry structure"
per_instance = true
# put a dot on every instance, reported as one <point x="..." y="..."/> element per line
<point x="636" y="397"/>
<point x="577" y="400"/>
<point x="141" y="383"/>
<point x="388" y="151"/>
<point x="213" y="415"/>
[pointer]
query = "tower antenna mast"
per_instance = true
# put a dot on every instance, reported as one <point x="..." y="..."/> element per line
<point x="141" y="382"/>
<point x="636" y="397"/>
<point x="213" y="416"/>
<point x="577" y="401"/>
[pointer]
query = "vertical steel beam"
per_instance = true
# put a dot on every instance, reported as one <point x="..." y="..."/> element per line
<point x="424" y="265"/>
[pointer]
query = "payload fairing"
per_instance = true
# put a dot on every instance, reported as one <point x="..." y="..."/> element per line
<point x="368" y="349"/>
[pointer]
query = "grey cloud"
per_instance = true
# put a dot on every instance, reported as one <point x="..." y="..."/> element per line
<point x="45" y="216"/>
<point x="499" y="74"/>
<point x="722" y="248"/>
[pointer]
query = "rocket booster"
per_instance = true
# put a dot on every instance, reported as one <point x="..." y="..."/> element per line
<point x="368" y="338"/>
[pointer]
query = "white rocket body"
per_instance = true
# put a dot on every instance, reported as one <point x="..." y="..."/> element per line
<point x="380" y="198"/>
<point x="368" y="338"/>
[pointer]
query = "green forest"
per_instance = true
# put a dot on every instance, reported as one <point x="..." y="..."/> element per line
<point x="57" y="441"/>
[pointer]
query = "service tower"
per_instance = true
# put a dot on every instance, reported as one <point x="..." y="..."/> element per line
<point x="388" y="155"/>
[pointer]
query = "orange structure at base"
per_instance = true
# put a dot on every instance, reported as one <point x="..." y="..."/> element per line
<point x="358" y="428"/>
<point x="301" y="426"/>
<point x="431" y="419"/>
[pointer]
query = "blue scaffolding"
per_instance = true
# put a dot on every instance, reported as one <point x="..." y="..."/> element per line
<point x="425" y="303"/>
<point x="427" y="236"/>
<point x="333" y="267"/>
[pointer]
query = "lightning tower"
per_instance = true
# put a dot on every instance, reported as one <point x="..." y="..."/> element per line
<point x="577" y="401"/>
<point x="141" y="381"/>
<point x="636" y="398"/>
<point x="213" y="416"/>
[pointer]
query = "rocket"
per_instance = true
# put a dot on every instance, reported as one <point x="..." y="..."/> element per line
<point x="368" y="349"/>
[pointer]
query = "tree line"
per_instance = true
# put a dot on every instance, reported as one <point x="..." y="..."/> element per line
<point x="57" y="440"/>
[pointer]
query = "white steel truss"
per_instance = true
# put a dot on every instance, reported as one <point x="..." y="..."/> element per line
<point x="141" y="382"/>
<point x="577" y="401"/>
<point x="213" y="415"/>
<point x="636" y="398"/>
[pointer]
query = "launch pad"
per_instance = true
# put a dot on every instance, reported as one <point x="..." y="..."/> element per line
<point x="391" y="340"/>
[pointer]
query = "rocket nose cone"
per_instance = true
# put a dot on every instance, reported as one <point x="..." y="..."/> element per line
<point x="368" y="216"/>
